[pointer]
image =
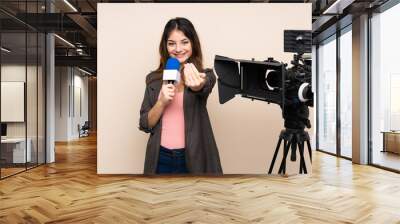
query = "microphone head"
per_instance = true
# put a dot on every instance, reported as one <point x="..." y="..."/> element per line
<point x="172" y="64"/>
<point x="171" y="70"/>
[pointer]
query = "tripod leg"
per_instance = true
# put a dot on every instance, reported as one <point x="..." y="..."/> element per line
<point x="271" y="167"/>
<point x="285" y="148"/>
<point x="309" y="150"/>
<point x="293" y="152"/>
<point x="282" y="168"/>
<point x="302" y="161"/>
<point x="284" y="160"/>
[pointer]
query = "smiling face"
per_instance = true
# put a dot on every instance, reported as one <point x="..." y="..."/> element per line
<point x="179" y="46"/>
<point x="179" y="40"/>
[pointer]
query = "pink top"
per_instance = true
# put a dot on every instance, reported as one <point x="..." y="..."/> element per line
<point x="173" y="124"/>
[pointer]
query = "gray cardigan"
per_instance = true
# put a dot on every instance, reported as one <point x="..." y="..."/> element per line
<point x="202" y="155"/>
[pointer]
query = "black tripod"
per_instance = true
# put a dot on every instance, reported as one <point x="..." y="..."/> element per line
<point x="293" y="139"/>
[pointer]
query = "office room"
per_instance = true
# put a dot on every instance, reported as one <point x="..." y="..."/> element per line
<point x="209" y="111"/>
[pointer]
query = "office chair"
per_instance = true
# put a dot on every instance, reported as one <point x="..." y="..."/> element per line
<point x="84" y="130"/>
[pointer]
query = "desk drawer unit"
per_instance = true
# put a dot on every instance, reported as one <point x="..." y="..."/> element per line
<point x="13" y="151"/>
<point x="391" y="142"/>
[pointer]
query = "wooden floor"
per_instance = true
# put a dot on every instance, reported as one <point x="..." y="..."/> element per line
<point x="8" y="171"/>
<point x="387" y="159"/>
<point x="70" y="191"/>
<point x="5" y="172"/>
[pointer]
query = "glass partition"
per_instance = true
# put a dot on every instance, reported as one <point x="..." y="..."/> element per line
<point x="22" y="77"/>
<point x="32" y="95"/>
<point x="41" y="91"/>
<point x="13" y="111"/>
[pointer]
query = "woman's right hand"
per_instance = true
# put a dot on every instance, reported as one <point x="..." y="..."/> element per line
<point x="167" y="93"/>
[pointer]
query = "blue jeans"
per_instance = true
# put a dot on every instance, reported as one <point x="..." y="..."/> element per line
<point x="171" y="161"/>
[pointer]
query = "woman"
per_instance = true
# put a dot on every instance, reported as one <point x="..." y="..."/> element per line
<point x="181" y="139"/>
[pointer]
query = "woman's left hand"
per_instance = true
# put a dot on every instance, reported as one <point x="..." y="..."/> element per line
<point x="193" y="78"/>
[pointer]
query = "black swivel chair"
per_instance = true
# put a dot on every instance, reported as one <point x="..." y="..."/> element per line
<point x="84" y="130"/>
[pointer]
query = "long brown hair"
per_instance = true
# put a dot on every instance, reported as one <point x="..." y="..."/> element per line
<point x="184" y="25"/>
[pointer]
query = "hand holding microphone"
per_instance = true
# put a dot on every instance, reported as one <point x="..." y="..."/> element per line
<point x="167" y="94"/>
<point x="171" y="75"/>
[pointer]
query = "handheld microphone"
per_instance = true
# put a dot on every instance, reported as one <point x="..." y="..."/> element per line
<point x="171" y="71"/>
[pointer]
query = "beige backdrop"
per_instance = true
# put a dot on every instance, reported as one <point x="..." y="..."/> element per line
<point x="128" y="37"/>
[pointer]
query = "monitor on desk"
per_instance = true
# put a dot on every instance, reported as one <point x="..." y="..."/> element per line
<point x="3" y="130"/>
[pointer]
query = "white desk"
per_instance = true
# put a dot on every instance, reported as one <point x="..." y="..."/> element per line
<point x="18" y="144"/>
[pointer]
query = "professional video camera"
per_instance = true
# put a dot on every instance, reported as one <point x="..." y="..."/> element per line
<point x="273" y="82"/>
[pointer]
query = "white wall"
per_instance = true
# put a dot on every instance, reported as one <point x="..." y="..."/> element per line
<point x="61" y="103"/>
<point x="12" y="73"/>
<point x="128" y="37"/>
<point x="67" y="85"/>
<point x="13" y="100"/>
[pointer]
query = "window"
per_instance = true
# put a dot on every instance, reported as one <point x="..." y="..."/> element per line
<point x="385" y="88"/>
<point x="326" y="105"/>
<point x="345" y="92"/>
